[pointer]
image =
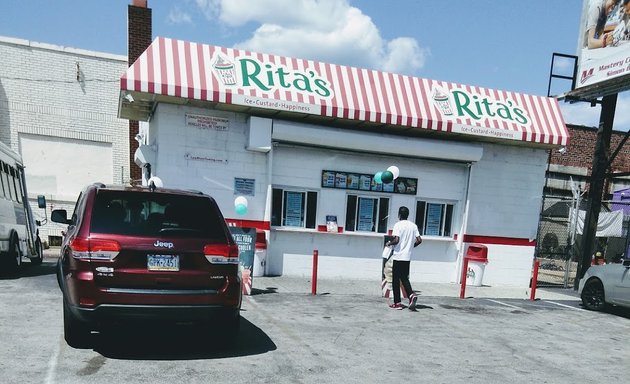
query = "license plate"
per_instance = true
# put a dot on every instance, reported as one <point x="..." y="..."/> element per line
<point x="163" y="262"/>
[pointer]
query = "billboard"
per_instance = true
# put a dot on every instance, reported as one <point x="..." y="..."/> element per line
<point x="604" y="48"/>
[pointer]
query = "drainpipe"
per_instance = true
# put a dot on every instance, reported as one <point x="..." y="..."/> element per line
<point x="463" y="229"/>
<point x="268" y="201"/>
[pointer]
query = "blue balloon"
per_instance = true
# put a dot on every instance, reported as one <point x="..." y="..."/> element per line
<point x="387" y="177"/>
<point x="241" y="209"/>
<point x="377" y="177"/>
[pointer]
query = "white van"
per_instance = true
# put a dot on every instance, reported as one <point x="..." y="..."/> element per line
<point x="19" y="236"/>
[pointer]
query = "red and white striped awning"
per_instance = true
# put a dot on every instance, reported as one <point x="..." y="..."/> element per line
<point x="179" y="69"/>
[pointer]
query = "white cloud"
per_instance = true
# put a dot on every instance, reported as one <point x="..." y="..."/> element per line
<point x="324" y="30"/>
<point x="209" y="8"/>
<point x="403" y="52"/>
<point x="177" y="16"/>
<point x="584" y="114"/>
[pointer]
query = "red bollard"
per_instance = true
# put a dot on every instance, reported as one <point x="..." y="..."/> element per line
<point x="534" y="280"/>
<point x="314" y="277"/>
<point x="462" y="291"/>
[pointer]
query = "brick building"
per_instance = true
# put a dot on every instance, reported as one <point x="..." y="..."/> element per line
<point x="576" y="160"/>
<point x="58" y="110"/>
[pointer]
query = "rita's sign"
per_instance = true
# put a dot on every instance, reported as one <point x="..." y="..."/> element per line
<point x="247" y="72"/>
<point x="461" y="104"/>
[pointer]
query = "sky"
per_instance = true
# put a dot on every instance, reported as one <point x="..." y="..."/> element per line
<point x="498" y="44"/>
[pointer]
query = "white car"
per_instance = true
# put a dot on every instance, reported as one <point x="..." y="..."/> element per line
<point x="603" y="285"/>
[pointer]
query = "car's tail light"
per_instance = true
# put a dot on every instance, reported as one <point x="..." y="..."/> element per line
<point x="221" y="253"/>
<point x="94" y="249"/>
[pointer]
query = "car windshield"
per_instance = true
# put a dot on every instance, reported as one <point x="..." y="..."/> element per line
<point x="156" y="214"/>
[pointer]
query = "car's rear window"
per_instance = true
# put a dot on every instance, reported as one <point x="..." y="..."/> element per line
<point x="156" y="214"/>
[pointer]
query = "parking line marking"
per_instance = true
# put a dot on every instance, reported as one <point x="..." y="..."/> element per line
<point x="563" y="305"/>
<point x="52" y="363"/>
<point x="506" y="304"/>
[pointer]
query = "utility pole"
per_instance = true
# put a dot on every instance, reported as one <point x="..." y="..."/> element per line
<point x="598" y="175"/>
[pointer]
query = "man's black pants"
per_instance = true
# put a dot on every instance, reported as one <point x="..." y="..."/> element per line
<point x="400" y="275"/>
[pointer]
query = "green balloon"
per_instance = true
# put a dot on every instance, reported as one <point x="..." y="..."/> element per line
<point x="241" y="209"/>
<point x="387" y="177"/>
<point x="377" y="177"/>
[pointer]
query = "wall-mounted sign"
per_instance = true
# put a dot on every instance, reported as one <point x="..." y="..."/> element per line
<point x="364" y="182"/>
<point x="209" y="157"/>
<point x="207" y="122"/>
<point x="244" y="186"/>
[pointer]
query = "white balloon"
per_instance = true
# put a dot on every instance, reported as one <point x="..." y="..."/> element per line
<point x="394" y="170"/>
<point x="240" y="200"/>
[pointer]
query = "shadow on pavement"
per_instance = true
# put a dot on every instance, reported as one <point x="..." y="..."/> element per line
<point x="180" y="342"/>
<point x="48" y="267"/>
<point x="258" y="291"/>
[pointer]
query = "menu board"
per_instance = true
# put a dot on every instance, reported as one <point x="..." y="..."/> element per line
<point x="293" y="209"/>
<point x="434" y="218"/>
<point x="328" y="179"/>
<point x="365" y="182"/>
<point x="366" y="215"/>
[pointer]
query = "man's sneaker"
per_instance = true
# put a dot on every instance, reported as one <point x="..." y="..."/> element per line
<point x="412" y="302"/>
<point x="396" y="306"/>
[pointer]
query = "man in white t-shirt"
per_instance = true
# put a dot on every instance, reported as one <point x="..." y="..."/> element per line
<point x="406" y="238"/>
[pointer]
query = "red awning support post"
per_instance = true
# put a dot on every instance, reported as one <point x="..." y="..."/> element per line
<point x="462" y="291"/>
<point x="534" y="280"/>
<point x="314" y="275"/>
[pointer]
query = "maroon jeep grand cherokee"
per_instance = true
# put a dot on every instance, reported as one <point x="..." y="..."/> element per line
<point x="146" y="254"/>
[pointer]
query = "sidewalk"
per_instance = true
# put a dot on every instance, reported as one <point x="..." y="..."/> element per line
<point x="299" y="285"/>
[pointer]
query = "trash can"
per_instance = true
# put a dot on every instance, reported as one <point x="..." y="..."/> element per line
<point x="477" y="255"/>
<point x="260" y="256"/>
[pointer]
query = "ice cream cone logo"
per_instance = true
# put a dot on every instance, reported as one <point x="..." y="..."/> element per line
<point x="224" y="69"/>
<point x="442" y="101"/>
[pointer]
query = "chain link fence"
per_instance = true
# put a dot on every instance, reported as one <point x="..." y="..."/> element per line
<point x="559" y="240"/>
<point x="555" y="244"/>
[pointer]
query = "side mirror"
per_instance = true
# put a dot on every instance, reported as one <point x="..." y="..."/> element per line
<point x="626" y="262"/>
<point x="41" y="203"/>
<point x="59" y="216"/>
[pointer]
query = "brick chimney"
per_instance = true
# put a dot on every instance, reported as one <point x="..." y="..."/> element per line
<point x="139" y="37"/>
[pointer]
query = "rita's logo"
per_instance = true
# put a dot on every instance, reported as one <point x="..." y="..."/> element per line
<point x="458" y="104"/>
<point x="268" y="77"/>
<point x="586" y="75"/>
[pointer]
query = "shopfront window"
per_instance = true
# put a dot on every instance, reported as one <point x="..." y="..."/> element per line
<point x="434" y="218"/>
<point x="367" y="214"/>
<point x="293" y="208"/>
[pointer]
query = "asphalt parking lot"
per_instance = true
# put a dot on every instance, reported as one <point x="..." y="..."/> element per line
<point x="345" y="333"/>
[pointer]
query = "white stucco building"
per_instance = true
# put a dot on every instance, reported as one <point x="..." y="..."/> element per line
<point x="302" y="141"/>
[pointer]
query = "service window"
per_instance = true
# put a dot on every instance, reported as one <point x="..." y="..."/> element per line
<point x="293" y="208"/>
<point x="366" y="214"/>
<point x="434" y="218"/>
